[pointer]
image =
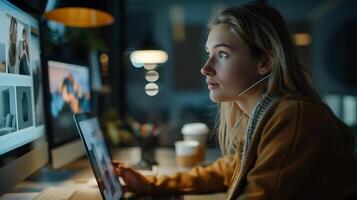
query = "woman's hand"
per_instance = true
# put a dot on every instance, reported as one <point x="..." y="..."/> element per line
<point x="134" y="181"/>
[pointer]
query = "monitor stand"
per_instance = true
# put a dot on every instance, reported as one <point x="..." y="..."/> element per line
<point x="49" y="175"/>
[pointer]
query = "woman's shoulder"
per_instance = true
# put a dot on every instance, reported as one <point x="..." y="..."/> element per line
<point x="306" y="112"/>
<point x="294" y="104"/>
<point x="292" y="108"/>
<point x="307" y="117"/>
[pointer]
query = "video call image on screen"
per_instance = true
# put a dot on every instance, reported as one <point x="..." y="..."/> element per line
<point x="18" y="51"/>
<point x="69" y="94"/>
<point x="101" y="163"/>
<point x="20" y="91"/>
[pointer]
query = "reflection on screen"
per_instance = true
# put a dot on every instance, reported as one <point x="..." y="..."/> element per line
<point x="97" y="152"/>
<point x="69" y="93"/>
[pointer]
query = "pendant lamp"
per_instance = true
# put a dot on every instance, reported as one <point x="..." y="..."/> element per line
<point x="80" y="13"/>
<point x="149" y="55"/>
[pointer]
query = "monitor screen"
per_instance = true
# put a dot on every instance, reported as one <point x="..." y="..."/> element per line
<point x="69" y="93"/>
<point x="22" y="131"/>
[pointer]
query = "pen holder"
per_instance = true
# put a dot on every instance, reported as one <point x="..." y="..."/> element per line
<point x="147" y="151"/>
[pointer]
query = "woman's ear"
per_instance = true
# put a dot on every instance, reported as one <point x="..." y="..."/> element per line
<point x="266" y="63"/>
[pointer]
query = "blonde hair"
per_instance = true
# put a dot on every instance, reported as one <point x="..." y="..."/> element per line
<point x="263" y="29"/>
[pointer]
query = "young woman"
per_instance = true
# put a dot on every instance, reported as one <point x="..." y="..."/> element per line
<point x="13" y="62"/>
<point x="24" y="54"/>
<point x="280" y="141"/>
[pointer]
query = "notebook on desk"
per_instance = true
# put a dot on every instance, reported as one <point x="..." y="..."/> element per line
<point x="99" y="157"/>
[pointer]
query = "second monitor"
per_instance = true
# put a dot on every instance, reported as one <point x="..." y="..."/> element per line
<point x="69" y="93"/>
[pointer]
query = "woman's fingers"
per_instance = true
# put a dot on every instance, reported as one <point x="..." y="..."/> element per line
<point x="134" y="180"/>
<point x="124" y="171"/>
<point x="117" y="172"/>
<point x="117" y="162"/>
<point x="119" y="165"/>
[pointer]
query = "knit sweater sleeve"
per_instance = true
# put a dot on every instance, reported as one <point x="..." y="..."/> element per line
<point x="210" y="179"/>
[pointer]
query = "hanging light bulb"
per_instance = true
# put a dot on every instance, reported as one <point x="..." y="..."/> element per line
<point x="150" y="66"/>
<point x="152" y="76"/>
<point x="151" y="89"/>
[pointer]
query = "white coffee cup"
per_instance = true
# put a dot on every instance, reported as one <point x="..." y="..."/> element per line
<point x="187" y="153"/>
<point x="199" y="132"/>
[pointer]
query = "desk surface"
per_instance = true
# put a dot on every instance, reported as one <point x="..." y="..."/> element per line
<point x="79" y="174"/>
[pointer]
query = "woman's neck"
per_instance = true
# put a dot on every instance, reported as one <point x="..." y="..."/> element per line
<point x="248" y="101"/>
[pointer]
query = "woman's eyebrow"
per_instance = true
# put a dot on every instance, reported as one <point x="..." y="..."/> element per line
<point x="221" y="45"/>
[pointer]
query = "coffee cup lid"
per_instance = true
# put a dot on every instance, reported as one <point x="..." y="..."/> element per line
<point x="186" y="147"/>
<point x="189" y="143"/>
<point x="197" y="128"/>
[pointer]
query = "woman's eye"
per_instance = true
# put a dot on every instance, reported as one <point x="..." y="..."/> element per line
<point x="222" y="54"/>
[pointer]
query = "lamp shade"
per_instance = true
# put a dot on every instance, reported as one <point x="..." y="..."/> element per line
<point x="141" y="57"/>
<point x="80" y="13"/>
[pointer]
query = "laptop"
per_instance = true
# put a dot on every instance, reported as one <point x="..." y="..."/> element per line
<point x="98" y="155"/>
<point x="100" y="158"/>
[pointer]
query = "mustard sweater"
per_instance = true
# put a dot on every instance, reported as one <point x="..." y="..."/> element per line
<point x="299" y="150"/>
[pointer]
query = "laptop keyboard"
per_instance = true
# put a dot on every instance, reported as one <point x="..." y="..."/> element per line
<point x="65" y="193"/>
<point x="55" y="193"/>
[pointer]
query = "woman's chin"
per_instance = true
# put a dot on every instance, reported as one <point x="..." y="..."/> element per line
<point x="217" y="98"/>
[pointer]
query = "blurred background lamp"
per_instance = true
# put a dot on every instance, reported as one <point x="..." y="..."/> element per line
<point x="104" y="59"/>
<point x="151" y="89"/>
<point x="148" y="58"/>
<point x="302" y="39"/>
<point x="150" y="66"/>
<point x="152" y="76"/>
<point x="79" y="13"/>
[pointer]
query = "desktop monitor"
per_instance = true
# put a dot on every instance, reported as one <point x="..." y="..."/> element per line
<point x="68" y="93"/>
<point x="23" y="145"/>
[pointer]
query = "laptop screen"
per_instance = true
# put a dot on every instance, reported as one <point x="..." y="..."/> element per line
<point x="92" y="137"/>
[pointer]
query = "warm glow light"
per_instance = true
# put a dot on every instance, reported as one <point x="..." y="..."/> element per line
<point x="80" y="17"/>
<point x="152" y="76"/>
<point x="150" y="66"/>
<point x="177" y="15"/>
<point x="141" y="57"/>
<point x="138" y="65"/>
<point x="302" y="39"/>
<point x="104" y="59"/>
<point x="151" y="89"/>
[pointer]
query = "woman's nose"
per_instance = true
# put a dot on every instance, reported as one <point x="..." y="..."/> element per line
<point x="207" y="69"/>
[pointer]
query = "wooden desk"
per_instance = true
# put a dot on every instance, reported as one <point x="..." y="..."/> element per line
<point x="79" y="175"/>
<point x="167" y="165"/>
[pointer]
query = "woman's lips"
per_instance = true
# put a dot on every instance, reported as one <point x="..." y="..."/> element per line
<point x="212" y="85"/>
